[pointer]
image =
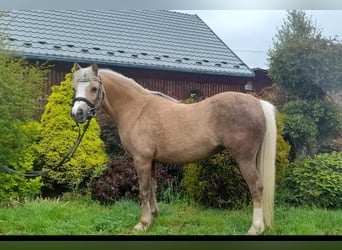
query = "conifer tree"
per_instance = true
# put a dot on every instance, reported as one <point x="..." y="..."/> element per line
<point x="302" y="61"/>
<point x="307" y="66"/>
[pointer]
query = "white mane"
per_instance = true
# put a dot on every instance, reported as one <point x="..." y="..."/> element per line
<point x="163" y="95"/>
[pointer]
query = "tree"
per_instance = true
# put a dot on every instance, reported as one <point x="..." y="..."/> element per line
<point x="302" y="61"/>
<point x="307" y="66"/>
<point x="58" y="134"/>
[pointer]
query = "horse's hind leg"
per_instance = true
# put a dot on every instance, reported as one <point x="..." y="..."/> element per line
<point x="249" y="172"/>
<point x="143" y="168"/>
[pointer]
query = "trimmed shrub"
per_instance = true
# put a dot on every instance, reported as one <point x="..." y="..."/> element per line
<point x="315" y="181"/>
<point x="58" y="134"/>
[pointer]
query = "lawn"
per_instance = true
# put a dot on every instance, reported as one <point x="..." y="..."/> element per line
<point x="82" y="216"/>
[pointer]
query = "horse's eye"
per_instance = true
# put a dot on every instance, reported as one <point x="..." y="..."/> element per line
<point x="94" y="89"/>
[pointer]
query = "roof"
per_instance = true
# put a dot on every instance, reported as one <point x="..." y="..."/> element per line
<point x="153" y="39"/>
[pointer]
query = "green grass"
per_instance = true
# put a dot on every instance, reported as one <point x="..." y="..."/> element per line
<point x="82" y="216"/>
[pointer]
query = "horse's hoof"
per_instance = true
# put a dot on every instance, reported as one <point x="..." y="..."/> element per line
<point x="141" y="227"/>
<point x="256" y="229"/>
<point x="251" y="231"/>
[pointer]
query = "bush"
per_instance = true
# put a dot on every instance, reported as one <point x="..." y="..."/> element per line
<point x="315" y="181"/>
<point x="120" y="181"/>
<point x="58" y="134"/>
<point x="17" y="187"/>
<point x="275" y="94"/>
<point x="217" y="182"/>
<point x="20" y="88"/>
<point x="310" y="125"/>
<point x="283" y="150"/>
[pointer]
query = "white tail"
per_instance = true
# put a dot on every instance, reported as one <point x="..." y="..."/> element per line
<point x="266" y="162"/>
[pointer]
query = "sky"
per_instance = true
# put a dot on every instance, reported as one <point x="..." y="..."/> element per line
<point x="250" y="33"/>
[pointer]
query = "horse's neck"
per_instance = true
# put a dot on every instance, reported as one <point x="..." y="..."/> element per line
<point x="123" y="99"/>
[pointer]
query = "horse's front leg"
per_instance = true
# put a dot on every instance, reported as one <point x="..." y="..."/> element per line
<point x="143" y="168"/>
<point x="153" y="198"/>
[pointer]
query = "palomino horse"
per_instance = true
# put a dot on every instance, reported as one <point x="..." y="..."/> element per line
<point x="155" y="127"/>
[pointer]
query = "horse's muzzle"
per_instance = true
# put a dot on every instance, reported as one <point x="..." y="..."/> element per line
<point x="82" y="109"/>
<point x="79" y="115"/>
<point x="80" y="112"/>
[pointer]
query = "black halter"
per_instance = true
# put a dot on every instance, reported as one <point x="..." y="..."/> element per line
<point x="91" y="105"/>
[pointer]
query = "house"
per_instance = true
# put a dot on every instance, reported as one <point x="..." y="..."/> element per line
<point x="171" y="52"/>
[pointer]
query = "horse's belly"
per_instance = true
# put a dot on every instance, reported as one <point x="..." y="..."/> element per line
<point x="186" y="150"/>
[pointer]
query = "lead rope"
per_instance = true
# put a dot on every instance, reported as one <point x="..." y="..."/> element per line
<point x="71" y="152"/>
<point x="65" y="159"/>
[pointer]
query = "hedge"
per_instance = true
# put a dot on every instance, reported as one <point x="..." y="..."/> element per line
<point x="314" y="181"/>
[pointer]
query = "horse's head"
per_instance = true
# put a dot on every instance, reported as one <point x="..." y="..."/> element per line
<point x="88" y="92"/>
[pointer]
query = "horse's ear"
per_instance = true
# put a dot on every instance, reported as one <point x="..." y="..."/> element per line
<point x="94" y="68"/>
<point x="77" y="66"/>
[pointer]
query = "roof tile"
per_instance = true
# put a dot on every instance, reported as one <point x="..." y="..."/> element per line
<point x="149" y="39"/>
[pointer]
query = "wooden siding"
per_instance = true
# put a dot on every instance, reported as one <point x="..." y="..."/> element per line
<point x="182" y="89"/>
<point x="54" y="77"/>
